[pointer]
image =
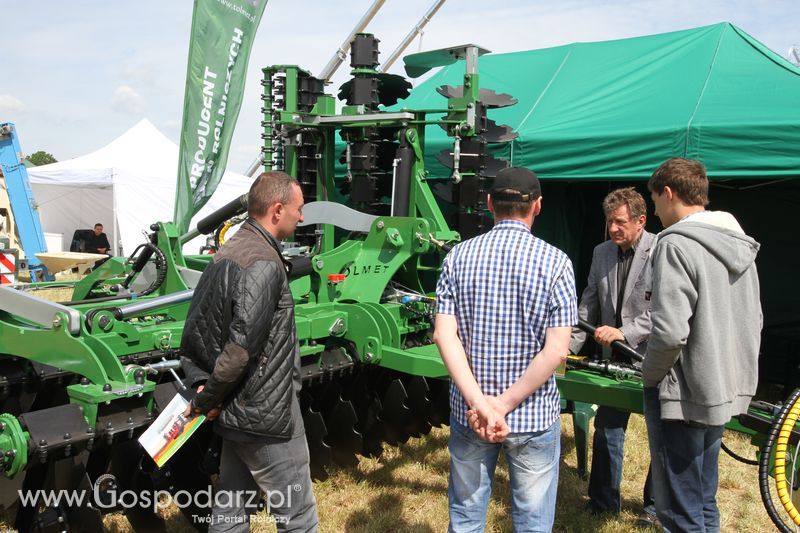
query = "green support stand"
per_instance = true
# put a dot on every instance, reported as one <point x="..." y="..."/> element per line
<point x="582" y="413"/>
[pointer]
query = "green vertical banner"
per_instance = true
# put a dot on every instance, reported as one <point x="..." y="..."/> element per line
<point x="219" y="50"/>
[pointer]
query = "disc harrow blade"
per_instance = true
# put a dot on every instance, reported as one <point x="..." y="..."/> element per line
<point x="439" y="394"/>
<point x="487" y="97"/>
<point x="368" y="408"/>
<point x="419" y="404"/>
<point x="496" y="133"/>
<point x="340" y="420"/>
<point x="344" y="440"/>
<point x="396" y="414"/>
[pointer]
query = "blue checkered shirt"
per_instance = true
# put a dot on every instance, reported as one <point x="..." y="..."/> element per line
<point x="505" y="288"/>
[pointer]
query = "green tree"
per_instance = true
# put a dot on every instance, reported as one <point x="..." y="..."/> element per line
<point x="41" y="158"/>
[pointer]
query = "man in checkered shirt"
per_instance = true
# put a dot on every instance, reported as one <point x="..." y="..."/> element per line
<point x="506" y="304"/>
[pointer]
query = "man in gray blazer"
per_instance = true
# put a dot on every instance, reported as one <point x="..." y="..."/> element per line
<point x="616" y="301"/>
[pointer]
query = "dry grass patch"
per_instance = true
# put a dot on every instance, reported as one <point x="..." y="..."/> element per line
<point x="406" y="490"/>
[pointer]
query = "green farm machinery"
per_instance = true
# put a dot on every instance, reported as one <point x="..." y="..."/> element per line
<point x="82" y="378"/>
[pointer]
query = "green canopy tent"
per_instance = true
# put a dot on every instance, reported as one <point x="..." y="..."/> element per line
<point x="592" y="117"/>
<point x="610" y="110"/>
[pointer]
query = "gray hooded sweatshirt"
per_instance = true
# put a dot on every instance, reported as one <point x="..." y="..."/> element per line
<point x="706" y="320"/>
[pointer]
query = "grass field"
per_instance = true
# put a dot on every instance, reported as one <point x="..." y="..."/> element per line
<point x="406" y="490"/>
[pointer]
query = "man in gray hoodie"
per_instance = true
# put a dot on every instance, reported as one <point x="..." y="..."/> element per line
<point x="701" y="366"/>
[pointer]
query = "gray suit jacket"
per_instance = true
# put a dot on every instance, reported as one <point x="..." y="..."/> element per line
<point x="599" y="300"/>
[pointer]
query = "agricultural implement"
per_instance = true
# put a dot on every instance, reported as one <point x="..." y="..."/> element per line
<point x="82" y="378"/>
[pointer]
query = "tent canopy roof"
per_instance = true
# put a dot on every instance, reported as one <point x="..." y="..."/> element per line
<point x="617" y="109"/>
<point x="131" y="181"/>
<point x="141" y="151"/>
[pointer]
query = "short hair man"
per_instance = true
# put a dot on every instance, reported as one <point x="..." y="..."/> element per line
<point x="98" y="242"/>
<point x="240" y="350"/>
<point x="616" y="300"/>
<point x="701" y="366"/>
<point x="505" y="307"/>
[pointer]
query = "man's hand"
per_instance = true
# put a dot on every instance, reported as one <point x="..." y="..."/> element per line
<point x="210" y="416"/>
<point x="487" y="419"/>
<point x="605" y="335"/>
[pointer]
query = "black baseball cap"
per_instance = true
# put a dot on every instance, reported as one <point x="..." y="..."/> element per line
<point x="516" y="184"/>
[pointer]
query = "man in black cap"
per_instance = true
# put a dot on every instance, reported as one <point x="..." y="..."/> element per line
<point x="506" y="305"/>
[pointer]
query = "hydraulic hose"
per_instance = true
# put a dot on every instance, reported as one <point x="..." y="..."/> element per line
<point x="781" y="449"/>
<point x="161" y="267"/>
<point x="237" y="206"/>
<point x="219" y="235"/>
<point x="740" y="458"/>
<point x="605" y="367"/>
<point x="778" y="438"/>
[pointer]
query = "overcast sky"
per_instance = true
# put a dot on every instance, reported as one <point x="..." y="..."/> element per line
<point x="77" y="74"/>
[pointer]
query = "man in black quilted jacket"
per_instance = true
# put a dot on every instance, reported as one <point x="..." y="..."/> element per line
<point x="239" y="350"/>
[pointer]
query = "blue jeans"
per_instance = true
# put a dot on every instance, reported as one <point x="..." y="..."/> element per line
<point x="607" y="457"/>
<point x="684" y="459"/>
<point x="532" y="468"/>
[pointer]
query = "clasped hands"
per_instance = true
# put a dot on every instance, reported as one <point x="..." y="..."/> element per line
<point x="487" y="419"/>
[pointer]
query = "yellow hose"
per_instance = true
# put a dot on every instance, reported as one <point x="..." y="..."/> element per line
<point x="223" y="231"/>
<point x="781" y="449"/>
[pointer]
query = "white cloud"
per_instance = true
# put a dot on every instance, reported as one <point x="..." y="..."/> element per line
<point x="140" y="73"/>
<point x="127" y="100"/>
<point x="248" y="149"/>
<point x="9" y="104"/>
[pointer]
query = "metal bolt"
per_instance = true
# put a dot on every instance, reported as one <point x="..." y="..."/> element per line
<point x="368" y="356"/>
<point x="57" y="322"/>
<point x="320" y="263"/>
<point x="107" y="387"/>
<point x="337" y="327"/>
<point x="380" y="224"/>
<point x="67" y="436"/>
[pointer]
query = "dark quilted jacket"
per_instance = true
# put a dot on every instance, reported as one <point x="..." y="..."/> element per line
<point x="240" y="336"/>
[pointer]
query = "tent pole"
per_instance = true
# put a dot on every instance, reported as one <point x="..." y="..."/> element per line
<point x="115" y="250"/>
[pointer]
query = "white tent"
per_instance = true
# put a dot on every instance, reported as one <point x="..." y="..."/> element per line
<point x="126" y="185"/>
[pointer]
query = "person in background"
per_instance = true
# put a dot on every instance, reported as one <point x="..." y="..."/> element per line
<point x="615" y="300"/>
<point x="98" y="243"/>
<point x="506" y="305"/>
<point x="701" y="366"/>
